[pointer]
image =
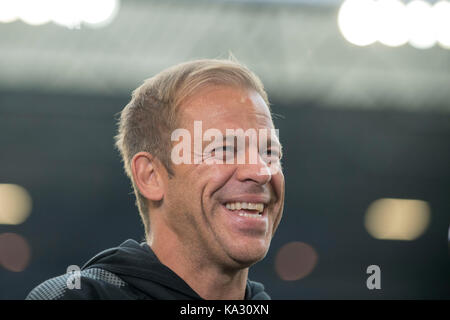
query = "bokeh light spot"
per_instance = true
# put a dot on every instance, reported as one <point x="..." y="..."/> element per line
<point x="15" y="204"/>
<point x="69" y="13"/>
<point x="397" y="219"/>
<point x="8" y="10"/>
<point x="15" y="253"/>
<point x="441" y="18"/>
<point x="357" y="21"/>
<point x="295" y="260"/>
<point x="420" y="23"/>
<point x="392" y="29"/>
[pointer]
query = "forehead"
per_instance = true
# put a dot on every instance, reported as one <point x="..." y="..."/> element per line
<point x="224" y="107"/>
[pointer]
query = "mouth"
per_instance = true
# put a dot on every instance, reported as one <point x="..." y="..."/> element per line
<point x="253" y="210"/>
<point x="250" y="218"/>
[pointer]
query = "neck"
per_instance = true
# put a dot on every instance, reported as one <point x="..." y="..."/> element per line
<point x="206" y="278"/>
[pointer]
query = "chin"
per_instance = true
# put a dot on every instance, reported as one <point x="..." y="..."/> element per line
<point x="247" y="254"/>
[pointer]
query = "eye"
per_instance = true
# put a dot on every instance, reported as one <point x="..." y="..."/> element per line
<point x="272" y="153"/>
<point x="224" y="149"/>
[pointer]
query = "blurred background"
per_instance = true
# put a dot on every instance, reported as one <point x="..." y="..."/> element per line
<point x="362" y="88"/>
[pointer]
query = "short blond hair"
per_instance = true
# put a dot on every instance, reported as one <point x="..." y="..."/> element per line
<point x="147" y="121"/>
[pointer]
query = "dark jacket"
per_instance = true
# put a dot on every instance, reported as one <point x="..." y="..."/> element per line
<point x="129" y="271"/>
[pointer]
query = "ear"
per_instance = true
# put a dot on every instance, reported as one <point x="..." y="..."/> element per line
<point x="147" y="176"/>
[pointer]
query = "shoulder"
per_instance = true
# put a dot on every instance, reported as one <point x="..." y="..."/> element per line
<point x="94" y="283"/>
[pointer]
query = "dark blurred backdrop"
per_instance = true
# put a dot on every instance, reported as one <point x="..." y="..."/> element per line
<point x="358" y="124"/>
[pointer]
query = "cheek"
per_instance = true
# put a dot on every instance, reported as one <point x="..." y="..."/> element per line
<point x="277" y="182"/>
<point x="198" y="183"/>
<point x="214" y="177"/>
<point x="180" y="188"/>
<point x="278" y="188"/>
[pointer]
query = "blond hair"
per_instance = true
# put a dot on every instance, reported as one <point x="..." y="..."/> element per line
<point x="147" y="121"/>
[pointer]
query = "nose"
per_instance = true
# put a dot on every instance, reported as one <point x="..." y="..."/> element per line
<point x="258" y="172"/>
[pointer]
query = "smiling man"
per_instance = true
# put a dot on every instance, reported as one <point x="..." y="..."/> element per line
<point x="207" y="218"/>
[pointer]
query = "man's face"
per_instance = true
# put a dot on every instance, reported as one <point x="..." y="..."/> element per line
<point x="203" y="199"/>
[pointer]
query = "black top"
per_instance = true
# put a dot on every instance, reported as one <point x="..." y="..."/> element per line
<point x="129" y="271"/>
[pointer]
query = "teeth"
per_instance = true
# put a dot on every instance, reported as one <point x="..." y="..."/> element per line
<point x="248" y="215"/>
<point x="245" y="205"/>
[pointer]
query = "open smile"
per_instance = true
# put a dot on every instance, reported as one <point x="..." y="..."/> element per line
<point x="248" y="216"/>
<point x="246" y="209"/>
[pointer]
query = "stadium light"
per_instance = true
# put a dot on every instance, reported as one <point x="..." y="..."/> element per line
<point x="356" y="22"/>
<point x="68" y="13"/>
<point x="420" y="23"/>
<point x="394" y="23"/>
<point x="392" y="29"/>
<point x="441" y="17"/>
